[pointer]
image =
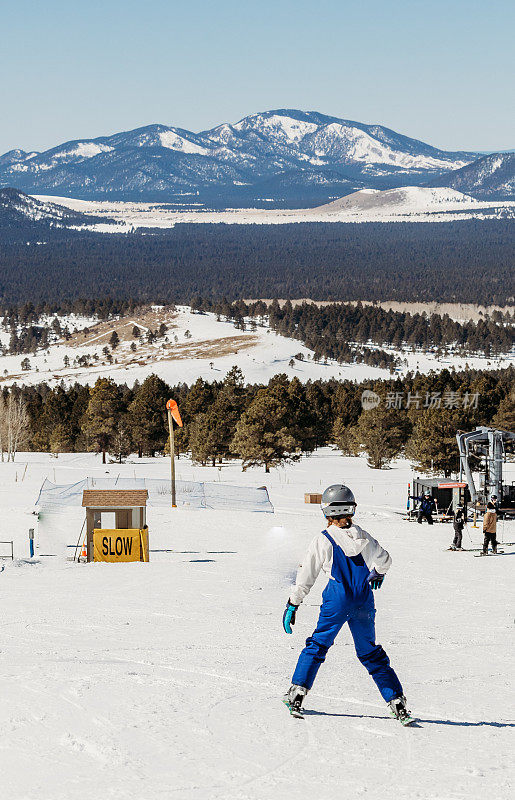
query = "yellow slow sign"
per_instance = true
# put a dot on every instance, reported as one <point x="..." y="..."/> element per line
<point x="121" y="544"/>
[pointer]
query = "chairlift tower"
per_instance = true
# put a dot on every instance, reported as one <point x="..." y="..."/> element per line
<point x="492" y="445"/>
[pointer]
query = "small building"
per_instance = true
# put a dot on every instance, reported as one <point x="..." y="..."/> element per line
<point x="115" y="510"/>
<point x="312" y="497"/>
<point x="447" y="494"/>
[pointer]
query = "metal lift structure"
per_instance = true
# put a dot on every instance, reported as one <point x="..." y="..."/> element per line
<point x="490" y="446"/>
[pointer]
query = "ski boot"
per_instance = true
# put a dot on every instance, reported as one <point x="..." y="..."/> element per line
<point x="293" y="700"/>
<point x="399" y="711"/>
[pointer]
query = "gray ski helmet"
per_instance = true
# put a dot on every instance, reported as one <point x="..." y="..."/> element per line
<point x="338" y="500"/>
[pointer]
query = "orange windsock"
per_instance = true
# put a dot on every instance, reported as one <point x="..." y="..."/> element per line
<point x="173" y="408"/>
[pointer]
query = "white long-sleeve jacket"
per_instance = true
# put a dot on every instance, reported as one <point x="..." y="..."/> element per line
<point x="353" y="541"/>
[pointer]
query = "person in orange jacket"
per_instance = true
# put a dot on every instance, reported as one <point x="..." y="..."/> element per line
<point x="490" y="529"/>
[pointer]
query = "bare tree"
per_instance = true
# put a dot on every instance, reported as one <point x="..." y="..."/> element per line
<point x="14" y="423"/>
<point x="3" y="426"/>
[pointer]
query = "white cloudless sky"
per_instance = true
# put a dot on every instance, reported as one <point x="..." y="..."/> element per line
<point x="441" y="71"/>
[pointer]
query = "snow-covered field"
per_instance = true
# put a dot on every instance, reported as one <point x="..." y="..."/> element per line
<point x="408" y="204"/>
<point x="163" y="680"/>
<point x="199" y="345"/>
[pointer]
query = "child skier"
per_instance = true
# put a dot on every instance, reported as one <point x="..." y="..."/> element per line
<point x="458" y="524"/>
<point x="355" y="564"/>
<point x="490" y="529"/>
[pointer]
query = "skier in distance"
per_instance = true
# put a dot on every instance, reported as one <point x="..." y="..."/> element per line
<point x="355" y="564"/>
<point x="426" y="509"/>
<point x="458" y="523"/>
<point x="490" y="529"/>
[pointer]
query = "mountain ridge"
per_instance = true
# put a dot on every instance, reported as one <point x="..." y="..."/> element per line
<point x="491" y="176"/>
<point x="295" y="158"/>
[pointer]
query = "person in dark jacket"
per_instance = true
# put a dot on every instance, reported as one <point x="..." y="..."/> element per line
<point x="458" y="524"/>
<point x="426" y="509"/>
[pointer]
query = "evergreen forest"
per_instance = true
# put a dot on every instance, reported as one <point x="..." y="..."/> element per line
<point x="467" y="261"/>
<point x="264" y="425"/>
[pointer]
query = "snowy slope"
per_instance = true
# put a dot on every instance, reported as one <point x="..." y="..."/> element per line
<point x="404" y="200"/>
<point x="162" y="680"/>
<point x="285" y="157"/>
<point x="411" y="203"/>
<point x="490" y="176"/>
<point x="20" y="213"/>
<point x="199" y="345"/>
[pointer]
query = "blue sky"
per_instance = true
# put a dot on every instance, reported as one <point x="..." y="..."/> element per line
<point x="440" y="71"/>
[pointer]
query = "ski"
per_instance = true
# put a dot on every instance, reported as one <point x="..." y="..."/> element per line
<point x="476" y="550"/>
<point x="481" y="555"/>
<point x="399" y="711"/>
<point x="407" y="721"/>
<point x="295" y="712"/>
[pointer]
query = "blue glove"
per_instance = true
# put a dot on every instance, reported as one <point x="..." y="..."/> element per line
<point x="375" y="579"/>
<point x="289" y="617"/>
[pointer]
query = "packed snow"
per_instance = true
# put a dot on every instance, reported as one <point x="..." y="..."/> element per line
<point x="159" y="680"/>
<point x="197" y="344"/>
<point x="282" y="126"/>
<point x="173" y="141"/>
<point x="84" y="150"/>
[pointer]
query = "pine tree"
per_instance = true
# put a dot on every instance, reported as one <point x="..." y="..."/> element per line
<point x="61" y="440"/>
<point x="432" y="446"/>
<point x="101" y="414"/>
<point x="505" y="416"/>
<point x="262" y="434"/>
<point x="341" y="435"/>
<point x="197" y="401"/>
<point x="53" y="413"/>
<point x="122" y="440"/>
<point x="147" y="415"/>
<point x="225" y="411"/>
<point x="204" y="439"/>
<point x="301" y="414"/>
<point x="114" y="340"/>
<point x="380" y="433"/>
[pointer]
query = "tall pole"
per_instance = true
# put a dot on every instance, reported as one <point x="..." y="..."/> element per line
<point x="173" y="414"/>
<point x="172" y="458"/>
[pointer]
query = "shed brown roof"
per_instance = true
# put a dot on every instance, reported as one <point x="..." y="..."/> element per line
<point x="114" y="498"/>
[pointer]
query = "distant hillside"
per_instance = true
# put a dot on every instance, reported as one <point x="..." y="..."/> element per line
<point x="488" y="177"/>
<point x="22" y="216"/>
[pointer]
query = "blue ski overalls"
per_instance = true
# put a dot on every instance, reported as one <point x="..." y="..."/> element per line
<point x="347" y="598"/>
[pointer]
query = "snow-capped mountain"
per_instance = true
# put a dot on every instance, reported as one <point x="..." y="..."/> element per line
<point x="283" y="157"/>
<point x="490" y="176"/>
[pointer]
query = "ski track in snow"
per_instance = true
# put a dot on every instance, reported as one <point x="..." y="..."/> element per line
<point x="164" y="680"/>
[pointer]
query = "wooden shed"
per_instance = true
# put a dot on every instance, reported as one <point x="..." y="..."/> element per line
<point x="312" y="497"/>
<point x="113" y="509"/>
